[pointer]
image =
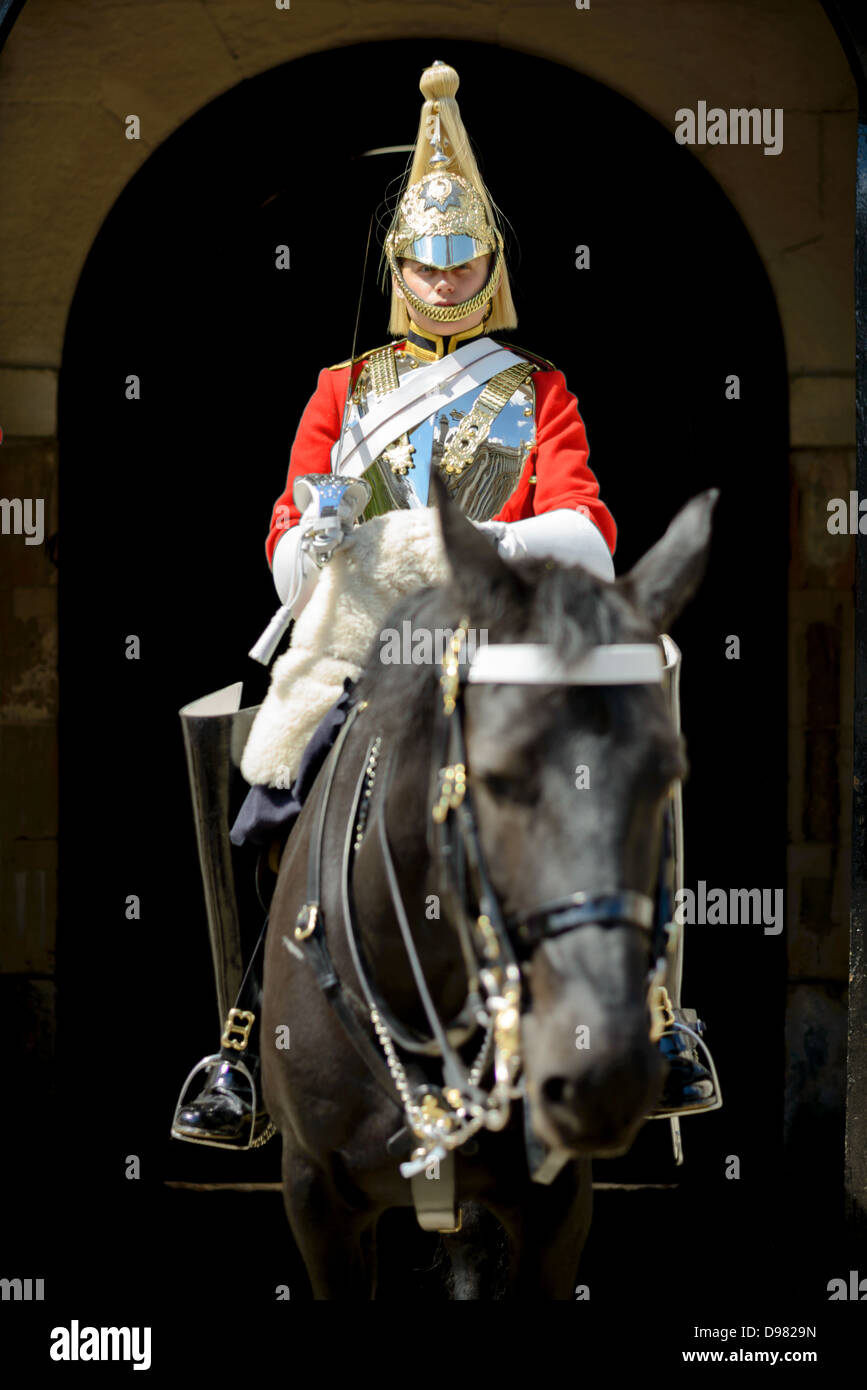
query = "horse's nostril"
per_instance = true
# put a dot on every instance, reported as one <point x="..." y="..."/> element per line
<point x="557" y="1090"/>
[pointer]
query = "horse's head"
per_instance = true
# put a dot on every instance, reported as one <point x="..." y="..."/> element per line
<point x="568" y="785"/>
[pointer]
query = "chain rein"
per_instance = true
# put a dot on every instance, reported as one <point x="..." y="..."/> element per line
<point x="443" y="1120"/>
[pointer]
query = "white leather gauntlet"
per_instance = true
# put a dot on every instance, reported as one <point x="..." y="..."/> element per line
<point x="285" y="562"/>
<point x="563" y="535"/>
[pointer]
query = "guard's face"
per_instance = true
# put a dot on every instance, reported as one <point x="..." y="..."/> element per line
<point x="445" y="287"/>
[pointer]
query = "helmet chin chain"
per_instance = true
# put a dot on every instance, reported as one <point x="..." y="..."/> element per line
<point x="464" y="314"/>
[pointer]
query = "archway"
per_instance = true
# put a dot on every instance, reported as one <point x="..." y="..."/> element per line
<point x="165" y="499"/>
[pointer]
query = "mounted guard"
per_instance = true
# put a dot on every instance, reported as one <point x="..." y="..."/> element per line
<point x="500" y="427"/>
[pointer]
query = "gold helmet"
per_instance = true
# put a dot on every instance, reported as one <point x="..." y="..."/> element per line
<point x="445" y="217"/>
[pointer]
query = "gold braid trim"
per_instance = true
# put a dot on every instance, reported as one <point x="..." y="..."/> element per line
<point x="384" y="379"/>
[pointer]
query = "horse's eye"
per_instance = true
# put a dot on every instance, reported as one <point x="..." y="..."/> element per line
<point x="497" y="786"/>
<point x="509" y="788"/>
<point x="663" y="771"/>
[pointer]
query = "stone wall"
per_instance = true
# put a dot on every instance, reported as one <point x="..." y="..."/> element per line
<point x="69" y="76"/>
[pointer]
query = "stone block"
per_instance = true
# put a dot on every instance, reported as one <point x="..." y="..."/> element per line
<point x="158" y="59"/>
<point x="820" y="559"/>
<point x="28" y="675"/>
<point x="821" y="784"/>
<point x="817" y="924"/>
<point x="847" y="762"/>
<point x="841" y="903"/>
<point x="261" y="36"/>
<point x="62" y="167"/>
<point x="28" y="402"/>
<point x="31" y="332"/>
<point x="777" y="196"/>
<point x="762" y="54"/>
<point x="28" y="763"/>
<point x="822" y="412"/>
<point x="809" y="608"/>
<point x="29" y="470"/>
<point x="38" y="604"/>
<point x="847" y="661"/>
<point x="815" y="905"/>
<point x="805" y="860"/>
<point x="815" y="1056"/>
<point x="52" y="54"/>
<point x="823" y="645"/>
<point x="814" y="284"/>
<point x="28" y="907"/>
<point x="795" y="769"/>
<point x="837" y="182"/>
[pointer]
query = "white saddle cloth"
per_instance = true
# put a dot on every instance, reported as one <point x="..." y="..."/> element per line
<point x="392" y="556"/>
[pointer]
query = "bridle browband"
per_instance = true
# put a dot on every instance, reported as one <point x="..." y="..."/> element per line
<point x="530" y="663"/>
<point x="491" y="944"/>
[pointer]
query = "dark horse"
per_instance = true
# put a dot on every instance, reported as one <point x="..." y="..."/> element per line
<point x="542" y="839"/>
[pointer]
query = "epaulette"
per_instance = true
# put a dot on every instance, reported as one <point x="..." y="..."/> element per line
<point x="360" y="356"/>
<point x="533" y="357"/>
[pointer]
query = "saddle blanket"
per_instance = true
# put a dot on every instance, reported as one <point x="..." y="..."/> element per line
<point x="386" y="559"/>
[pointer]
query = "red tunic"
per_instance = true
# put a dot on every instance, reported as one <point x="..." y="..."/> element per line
<point x="558" y="459"/>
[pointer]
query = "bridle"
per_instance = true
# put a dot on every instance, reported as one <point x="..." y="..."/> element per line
<point x="439" y="1119"/>
<point x="528" y="664"/>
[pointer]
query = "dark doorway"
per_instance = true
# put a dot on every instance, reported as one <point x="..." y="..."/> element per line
<point x="165" y="504"/>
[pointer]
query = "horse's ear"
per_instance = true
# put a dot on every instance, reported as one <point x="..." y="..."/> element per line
<point x="471" y="554"/>
<point x="665" y="579"/>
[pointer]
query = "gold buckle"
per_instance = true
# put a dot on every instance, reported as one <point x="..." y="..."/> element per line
<point x="453" y="787"/>
<point x="661" y="1014"/>
<point x="489" y="936"/>
<point x="303" y="930"/>
<point x="241" y="1028"/>
<point x="452" y="1230"/>
<point x="450" y="680"/>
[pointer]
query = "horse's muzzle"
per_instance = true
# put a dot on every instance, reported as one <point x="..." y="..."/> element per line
<point x="592" y="1102"/>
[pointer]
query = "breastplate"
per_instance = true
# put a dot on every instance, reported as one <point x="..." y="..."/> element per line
<point x="478" y="443"/>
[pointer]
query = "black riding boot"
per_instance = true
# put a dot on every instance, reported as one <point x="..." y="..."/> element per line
<point x="689" y="1086"/>
<point x="228" y="1111"/>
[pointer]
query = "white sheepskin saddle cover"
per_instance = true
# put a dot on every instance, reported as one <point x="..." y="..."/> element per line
<point x="391" y="556"/>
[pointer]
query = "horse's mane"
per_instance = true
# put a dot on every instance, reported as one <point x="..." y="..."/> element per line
<point x="566" y="608"/>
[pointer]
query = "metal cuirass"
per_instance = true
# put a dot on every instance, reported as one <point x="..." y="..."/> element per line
<point x="479" y="443"/>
